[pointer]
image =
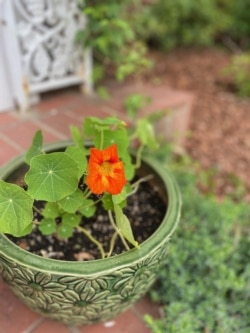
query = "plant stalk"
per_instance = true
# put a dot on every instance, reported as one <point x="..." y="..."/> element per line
<point x="118" y="231"/>
<point x="93" y="240"/>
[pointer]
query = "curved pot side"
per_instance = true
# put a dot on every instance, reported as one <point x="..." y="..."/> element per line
<point x="81" y="293"/>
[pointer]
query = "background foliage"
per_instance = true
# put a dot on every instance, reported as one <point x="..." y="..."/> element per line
<point x="238" y="71"/>
<point x="239" y="29"/>
<point x="115" y="25"/>
<point x="205" y="285"/>
<point x="173" y="23"/>
<point x="183" y="22"/>
<point x="120" y="33"/>
<point x="110" y="34"/>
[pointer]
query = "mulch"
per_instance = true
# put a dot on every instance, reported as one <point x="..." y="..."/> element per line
<point x="220" y="123"/>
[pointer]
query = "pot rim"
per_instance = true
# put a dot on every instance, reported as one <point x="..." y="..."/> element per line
<point x="161" y="235"/>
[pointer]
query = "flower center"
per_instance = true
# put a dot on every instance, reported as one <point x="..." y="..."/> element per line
<point x="106" y="168"/>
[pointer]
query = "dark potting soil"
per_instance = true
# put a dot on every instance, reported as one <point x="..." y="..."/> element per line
<point x="145" y="210"/>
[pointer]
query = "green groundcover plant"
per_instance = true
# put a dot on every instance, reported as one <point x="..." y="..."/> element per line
<point x="205" y="285"/>
<point x="97" y="168"/>
<point x="239" y="72"/>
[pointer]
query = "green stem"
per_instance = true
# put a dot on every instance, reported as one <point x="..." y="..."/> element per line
<point x="117" y="230"/>
<point x="132" y="137"/>
<point x="138" y="156"/>
<point x="102" y="139"/>
<point x="137" y="183"/>
<point x="37" y="210"/>
<point x="112" y="244"/>
<point x="93" y="240"/>
<point x="86" y="193"/>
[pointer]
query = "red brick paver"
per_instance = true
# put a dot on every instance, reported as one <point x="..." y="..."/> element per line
<point x="15" y="317"/>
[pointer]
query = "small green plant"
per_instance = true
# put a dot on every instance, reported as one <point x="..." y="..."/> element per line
<point x="71" y="183"/>
<point x="134" y="103"/>
<point x="239" y="72"/>
<point x="205" y="285"/>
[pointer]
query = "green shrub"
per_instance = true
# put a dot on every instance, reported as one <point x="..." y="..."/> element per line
<point x="183" y="22"/>
<point x="205" y="285"/>
<point x="239" y="72"/>
<point x="239" y="30"/>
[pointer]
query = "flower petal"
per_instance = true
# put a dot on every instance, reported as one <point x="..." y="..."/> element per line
<point x="105" y="171"/>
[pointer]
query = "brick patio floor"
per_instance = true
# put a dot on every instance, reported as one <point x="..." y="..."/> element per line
<point x="54" y="115"/>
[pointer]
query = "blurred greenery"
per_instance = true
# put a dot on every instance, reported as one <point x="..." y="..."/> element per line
<point x="176" y="23"/>
<point x="121" y="33"/>
<point x="173" y="23"/>
<point x="239" y="72"/>
<point x="205" y="284"/>
<point x="109" y="32"/>
<point x="115" y="28"/>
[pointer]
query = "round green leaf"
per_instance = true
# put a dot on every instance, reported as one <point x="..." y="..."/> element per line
<point x="52" y="176"/>
<point x="119" y="137"/>
<point x="65" y="231"/>
<point x="128" y="166"/>
<point x="51" y="210"/>
<point x="107" y="201"/>
<point x="16" y="210"/>
<point x="47" y="226"/>
<point x="88" y="208"/>
<point x="72" y="220"/>
<point x="118" y="199"/>
<point x="72" y="202"/>
<point x="78" y="155"/>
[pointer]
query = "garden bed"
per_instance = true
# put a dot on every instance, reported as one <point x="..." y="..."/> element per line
<point x="220" y="124"/>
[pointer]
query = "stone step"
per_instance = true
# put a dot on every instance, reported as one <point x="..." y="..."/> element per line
<point x="174" y="106"/>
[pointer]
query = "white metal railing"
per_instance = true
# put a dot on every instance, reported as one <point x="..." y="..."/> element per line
<point x="39" y="43"/>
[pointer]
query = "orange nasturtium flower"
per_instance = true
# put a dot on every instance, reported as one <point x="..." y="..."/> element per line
<point x="105" y="171"/>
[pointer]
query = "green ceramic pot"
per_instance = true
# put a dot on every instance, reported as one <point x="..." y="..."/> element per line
<point x="82" y="293"/>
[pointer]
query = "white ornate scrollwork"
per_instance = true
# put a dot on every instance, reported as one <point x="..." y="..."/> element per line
<point x="46" y="34"/>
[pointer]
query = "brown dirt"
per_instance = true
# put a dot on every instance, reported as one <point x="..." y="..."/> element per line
<point x="220" y="123"/>
<point x="146" y="206"/>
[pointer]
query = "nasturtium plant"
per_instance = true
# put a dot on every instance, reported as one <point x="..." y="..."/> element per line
<point x="78" y="155"/>
<point x="16" y="209"/>
<point x="51" y="210"/>
<point x="62" y="189"/>
<point x="124" y="225"/>
<point x="47" y="226"/>
<point x="36" y="147"/>
<point x="87" y="208"/>
<point x="71" y="219"/>
<point x="51" y="177"/>
<point x="71" y="202"/>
